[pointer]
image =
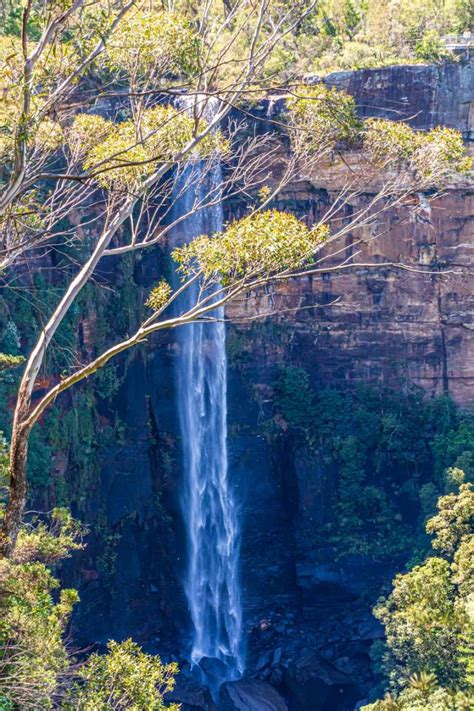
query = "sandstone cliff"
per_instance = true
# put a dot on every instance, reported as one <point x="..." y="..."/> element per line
<point x="389" y="326"/>
<point x="307" y="613"/>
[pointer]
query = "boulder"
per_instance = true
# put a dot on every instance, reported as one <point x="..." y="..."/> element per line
<point x="191" y="695"/>
<point x="213" y="671"/>
<point x="312" y="684"/>
<point x="250" y="695"/>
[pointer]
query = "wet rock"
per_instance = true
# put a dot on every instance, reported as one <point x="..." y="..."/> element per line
<point x="345" y="665"/>
<point x="312" y="683"/>
<point x="214" y="671"/>
<point x="250" y="695"/>
<point x="370" y="629"/>
<point x="276" y="677"/>
<point x="191" y="695"/>
<point x="276" y="657"/>
<point x="263" y="661"/>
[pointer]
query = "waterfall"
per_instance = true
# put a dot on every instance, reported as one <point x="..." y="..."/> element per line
<point x="208" y="502"/>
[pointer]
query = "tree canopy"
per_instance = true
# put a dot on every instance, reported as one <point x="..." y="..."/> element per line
<point x="428" y="655"/>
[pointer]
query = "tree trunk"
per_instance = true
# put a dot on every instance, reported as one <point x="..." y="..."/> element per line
<point x="18" y="486"/>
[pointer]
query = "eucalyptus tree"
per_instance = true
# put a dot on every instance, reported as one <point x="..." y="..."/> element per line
<point x="114" y="109"/>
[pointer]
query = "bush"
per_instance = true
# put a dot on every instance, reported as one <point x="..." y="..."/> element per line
<point x="36" y="666"/>
<point x="428" y="656"/>
<point x="124" y="678"/>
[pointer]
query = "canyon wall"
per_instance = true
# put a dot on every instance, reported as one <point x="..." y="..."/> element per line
<point x="307" y="614"/>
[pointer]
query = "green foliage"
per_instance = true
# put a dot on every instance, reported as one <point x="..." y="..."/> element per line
<point x="106" y="381"/>
<point x="10" y="361"/>
<point x="154" y="44"/>
<point x="434" y="155"/>
<point x="124" y="678"/>
<point x="429" y="618"/>
<point x="34" y="660"/>
<point x="122" y="155"/>
<point x="251" y="248"/>
<point x="411" y="699"/>
<point x="351" y="34"/>
<point x="49" y="543"/>
<point x="454" y="521"/>
<point x="431" y="48"/>
<point x="295" y="398"/>
<point x="86" y="132"/>
<point x="422" y="623"/>
<point x="33" y="656"/>
<point x="159" y="296"/>
<point x="382" y="448"/>
<point x="320" y="117"/>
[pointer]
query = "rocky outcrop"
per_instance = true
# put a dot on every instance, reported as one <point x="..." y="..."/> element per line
<point x="191" y="695"/>
<point x="427" y="95"/>
<point x="388" y="326"/>
<point x="250" y="695"/>
<point x="392" y="325"/>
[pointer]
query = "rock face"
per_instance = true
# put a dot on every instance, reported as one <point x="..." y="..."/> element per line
<point x="386" y="326"/>
<point x="314" y="684"/>
<point x="389" y="325"/>
<point x="191" y="695"/>
<point x="309" y="629"/>
<point x="426" y="95"/>
<point x="250" y="695"/>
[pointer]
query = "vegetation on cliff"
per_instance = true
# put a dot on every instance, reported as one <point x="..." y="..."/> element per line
<point x="131" y="166"/>
<point x="110" y="112"/>
<point x="387" y="453"/>
<point x="428" y="654"/>
<point x="352" y="34"/>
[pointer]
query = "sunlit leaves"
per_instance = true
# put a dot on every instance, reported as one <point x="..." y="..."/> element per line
<point x="454" y="521"/>
<point x="429" y="617"/>
<point x="320" y="117"/>
<point x="49" y="543"/>
<point x="154" y="44"/>
<point x="86" y="132"/>
<point x="33" y="654"/>
<point x="395" y="140"/>
<point x="48" y="136"/>
<point x="434" y="155"/>
<point x="10" y="361"/>
<point x="159" y="296"/>
<point x="422" y="620"/>
<point x="129" y="151"/>
<point x="124" y="678"/>
<point x="256" y="246"/>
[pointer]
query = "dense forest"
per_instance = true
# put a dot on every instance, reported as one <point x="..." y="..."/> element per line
<point x="236" y="361"/>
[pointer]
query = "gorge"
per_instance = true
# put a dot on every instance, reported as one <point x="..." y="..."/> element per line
<point x="394" y="329"/>
<point x="220" y="533"/>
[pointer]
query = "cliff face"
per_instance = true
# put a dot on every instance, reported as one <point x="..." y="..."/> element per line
<point x="388" y="326"/>
<point x="307" y="614"/>
<point x="425" y="95"/>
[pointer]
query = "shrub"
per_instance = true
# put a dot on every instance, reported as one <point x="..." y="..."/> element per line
<point x="124" y="678"/>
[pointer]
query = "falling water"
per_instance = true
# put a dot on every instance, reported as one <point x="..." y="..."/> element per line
<point x="209" y="507"/>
